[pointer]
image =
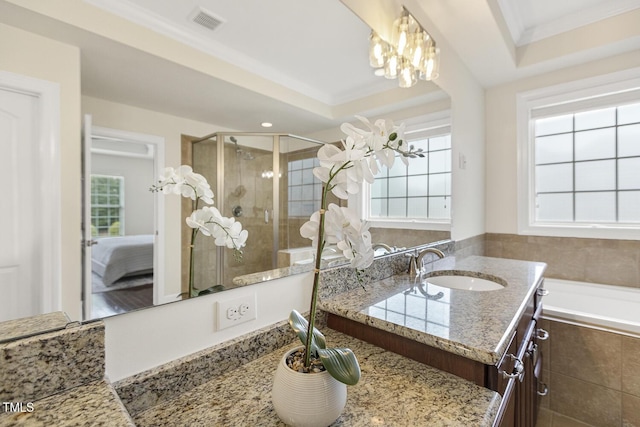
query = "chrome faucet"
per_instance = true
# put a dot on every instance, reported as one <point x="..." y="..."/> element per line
<point x="384" y="246"/>
<point x="415" y="263"/>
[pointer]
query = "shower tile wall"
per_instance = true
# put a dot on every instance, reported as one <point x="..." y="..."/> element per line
<point x="244" y="187"/>
<point x="249" y="187"/>
<point x="204" y="252"/>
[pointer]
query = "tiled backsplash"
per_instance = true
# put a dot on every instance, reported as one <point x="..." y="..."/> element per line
<point x="606" y="261"/>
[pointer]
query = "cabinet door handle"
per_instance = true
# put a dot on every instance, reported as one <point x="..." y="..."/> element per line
<point x="532" y="352"/>
<point x="544" y="391"/>
<point x="541" y="334"/>
<point x="542" y="292"/>
<point x="518" y="369"/>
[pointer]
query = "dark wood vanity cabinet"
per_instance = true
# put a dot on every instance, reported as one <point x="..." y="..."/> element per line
<point x="516" y="377"/>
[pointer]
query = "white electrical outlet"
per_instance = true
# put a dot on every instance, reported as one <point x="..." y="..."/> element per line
<point x="235" y="311"/>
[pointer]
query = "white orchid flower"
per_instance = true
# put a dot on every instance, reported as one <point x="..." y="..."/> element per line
<point x="168" y="181"/>
<point x="199" y="218"/>
<point x="351" y="235"/>
<point x="185" y="182"/>
<point x="196" y="186"/>
<point x="385" y="157"/>
<point x="310" y="229"/>
<point x="341" y="169"/>
<point x="226" y="231"/>
<point x="343" y="228"/>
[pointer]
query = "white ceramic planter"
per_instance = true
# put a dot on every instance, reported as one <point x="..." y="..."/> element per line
<point x="307" y="400"/>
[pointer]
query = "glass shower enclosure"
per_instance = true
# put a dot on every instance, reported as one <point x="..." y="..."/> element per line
<point x="266" y="182"/>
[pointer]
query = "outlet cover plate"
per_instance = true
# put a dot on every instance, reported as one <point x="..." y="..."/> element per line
<point x="235" y="311"/>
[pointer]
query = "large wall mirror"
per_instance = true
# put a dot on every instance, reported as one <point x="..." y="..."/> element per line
<point x="263" y="179"/>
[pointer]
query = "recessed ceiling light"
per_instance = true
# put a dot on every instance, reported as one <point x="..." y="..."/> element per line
<point x="266" y="124"/>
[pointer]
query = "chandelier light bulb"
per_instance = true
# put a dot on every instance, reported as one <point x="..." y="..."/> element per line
<point x="409" y="55"/>
<point x="407" y="74"/>
<point x="377" y="50"/>
<point x="429" y="70"/>
<point x="421" y="43"/>
<point x="391" y="67"/>
<point x="402" y="35"/>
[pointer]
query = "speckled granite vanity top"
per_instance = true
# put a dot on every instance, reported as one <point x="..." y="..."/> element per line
<point x="393" y="391"/>
<point x="93" y="404"/>
<point x="473" y="324"/>
<point x="57" y="379"/>
<point x="27" y="326"/>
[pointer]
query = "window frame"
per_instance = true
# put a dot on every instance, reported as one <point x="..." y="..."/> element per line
<point x="433" y="125"/>
<point x="598" y="92"/>
<point x="121" y="205"/>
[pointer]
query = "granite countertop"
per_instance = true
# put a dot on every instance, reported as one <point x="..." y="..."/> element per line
<point x="28" y="326"/>
<point x="393" y="390"/>
<point x="95" y="403"/>
<point x="473" y="324"/>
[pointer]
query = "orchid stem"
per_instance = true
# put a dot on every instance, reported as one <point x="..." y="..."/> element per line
<point x="192" y="289"/>
<point x="316" y="280"/>
<point x="194" y="232"/>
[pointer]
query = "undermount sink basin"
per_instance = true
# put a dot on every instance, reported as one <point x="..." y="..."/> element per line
<point x="467" y="283"/>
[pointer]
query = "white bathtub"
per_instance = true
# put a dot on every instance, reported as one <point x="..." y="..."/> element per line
<point x="611" y="308"/>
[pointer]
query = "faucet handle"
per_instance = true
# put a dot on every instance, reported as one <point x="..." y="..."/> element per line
<point x="413" y="266"/>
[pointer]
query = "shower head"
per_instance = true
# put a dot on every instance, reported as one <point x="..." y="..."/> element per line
<point x="242" y="154"/>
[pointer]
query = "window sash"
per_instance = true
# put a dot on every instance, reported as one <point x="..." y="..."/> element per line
<point x="107" y="206"/>
<point x="617" y="89"/>
<point x="431" y="199"/>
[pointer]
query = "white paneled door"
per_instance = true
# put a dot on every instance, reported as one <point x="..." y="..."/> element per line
<point x="19" y="245"/>
<point x="26" y="250"/>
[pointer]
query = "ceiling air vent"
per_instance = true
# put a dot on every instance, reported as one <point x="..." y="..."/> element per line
<point x="206" y="19"/>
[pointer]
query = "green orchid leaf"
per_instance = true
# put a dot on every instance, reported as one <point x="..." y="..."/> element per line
<point x="300" y="326"/>
<point x="341" y="364"/>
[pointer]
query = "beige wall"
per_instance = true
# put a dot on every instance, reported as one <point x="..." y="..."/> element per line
<point x="467" y="133"/>
<point x="34" y="56"/>
<point x="501" y="135"/>
<point x="606" y="261"/>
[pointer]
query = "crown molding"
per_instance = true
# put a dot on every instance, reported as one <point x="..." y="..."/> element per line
<point x="575" y="20"/>
<point x="512" y="18"/>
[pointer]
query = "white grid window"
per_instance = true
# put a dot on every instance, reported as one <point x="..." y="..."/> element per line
<point x="579" y="158"/>
<point x="587" y="166"/>
<point x="107" y="205"/>
<point x="305" y="190"/>
<point x="421" y="190"/>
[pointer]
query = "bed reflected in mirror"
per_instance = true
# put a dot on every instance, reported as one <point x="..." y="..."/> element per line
<point x="122" y="269"/>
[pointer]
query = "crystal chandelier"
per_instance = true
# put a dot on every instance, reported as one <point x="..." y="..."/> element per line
<point x="411" y="54"/>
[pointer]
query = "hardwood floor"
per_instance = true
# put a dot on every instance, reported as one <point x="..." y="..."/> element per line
<point x="121" y="301"/>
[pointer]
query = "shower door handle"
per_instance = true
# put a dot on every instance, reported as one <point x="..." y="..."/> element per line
<point x="266" y="216"/>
